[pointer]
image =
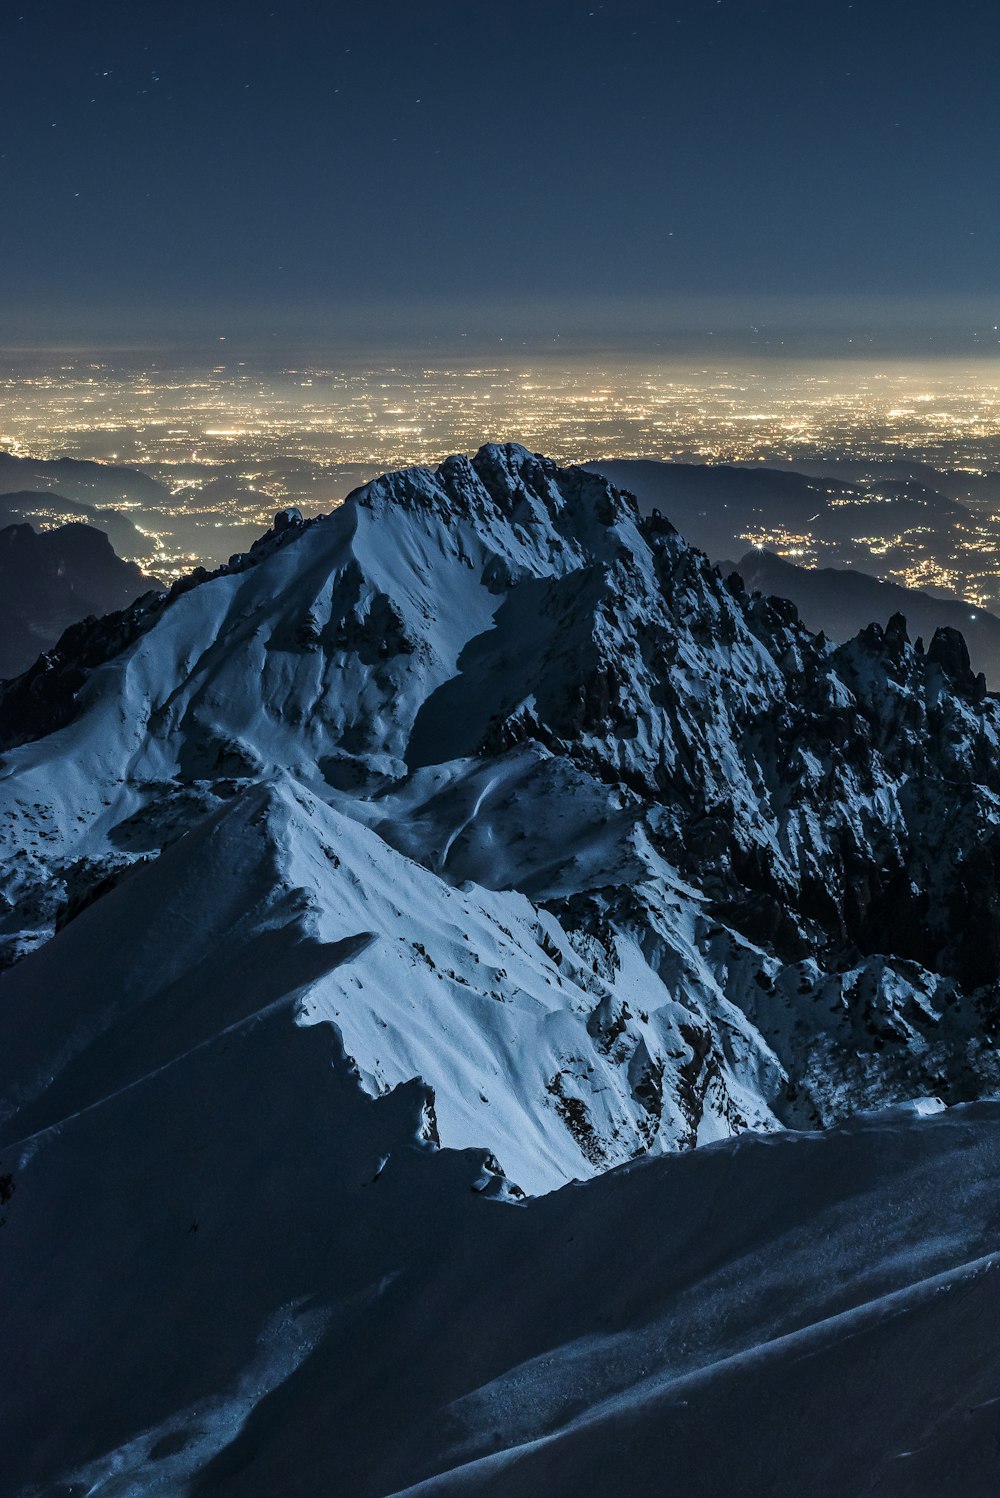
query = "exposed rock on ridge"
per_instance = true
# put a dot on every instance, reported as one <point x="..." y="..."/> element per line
<point x="754" y="877"/>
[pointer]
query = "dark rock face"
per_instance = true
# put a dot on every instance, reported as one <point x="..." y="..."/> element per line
<point x="843" y="601"/>
<point x="872" y="765"/>
<point x="44" y="697"/>
<point x="285" y="518"/>
<point x="51" y="580"/>
<point x="949" y="651"/>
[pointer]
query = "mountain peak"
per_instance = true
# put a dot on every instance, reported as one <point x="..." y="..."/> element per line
<point x="471" y="841"/>
<point x="454" y="644"/>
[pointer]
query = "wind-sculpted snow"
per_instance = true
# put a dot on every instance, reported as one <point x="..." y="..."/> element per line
<point x="364" y="895"/>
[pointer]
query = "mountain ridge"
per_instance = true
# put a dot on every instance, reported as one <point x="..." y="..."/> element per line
<point x="841" y="601"/>
<point x="453" y="955"/>
<point x="450" y="645"/>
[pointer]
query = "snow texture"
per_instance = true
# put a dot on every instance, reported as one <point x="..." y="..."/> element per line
<point x="371" y="906"/>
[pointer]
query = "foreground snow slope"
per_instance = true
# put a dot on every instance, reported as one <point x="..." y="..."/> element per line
<point x="474" y="991"/>
<point x="227" y="1269"/>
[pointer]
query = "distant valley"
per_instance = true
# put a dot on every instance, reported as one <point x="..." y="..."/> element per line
<point x="897" y="529"/>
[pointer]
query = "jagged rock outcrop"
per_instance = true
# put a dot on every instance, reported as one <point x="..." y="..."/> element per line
<point x="764" y="869"/>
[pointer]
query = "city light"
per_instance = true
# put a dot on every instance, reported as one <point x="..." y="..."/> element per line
<point x="231" y="444"/>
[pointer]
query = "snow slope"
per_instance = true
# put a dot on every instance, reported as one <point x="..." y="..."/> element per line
<point x="229" y="1270"/>
<point x="766" y="868"/>
<point x="370" y="907"/>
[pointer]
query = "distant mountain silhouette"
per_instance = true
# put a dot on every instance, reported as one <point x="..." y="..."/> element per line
<point x="80" y="479"/>
<point x="955" y="483"/>
<point x="43" y="510"/>
<point x="714" y="506"/>
<point x="53" y="579"/>
<point x="840" y="602"/>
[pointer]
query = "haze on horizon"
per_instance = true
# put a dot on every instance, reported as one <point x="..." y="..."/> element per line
<point x="707" y="175"/>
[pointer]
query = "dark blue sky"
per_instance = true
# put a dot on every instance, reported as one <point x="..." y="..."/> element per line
<point x="548" y="169"/>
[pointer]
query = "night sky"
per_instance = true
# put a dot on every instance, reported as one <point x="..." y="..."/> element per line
<point x="559" y="169"/>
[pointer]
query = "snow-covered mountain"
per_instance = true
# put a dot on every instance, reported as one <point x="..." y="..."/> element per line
<point x="564" y="851"/>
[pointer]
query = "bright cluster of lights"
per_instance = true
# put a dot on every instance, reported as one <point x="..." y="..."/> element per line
<point x="231" y="444"/>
